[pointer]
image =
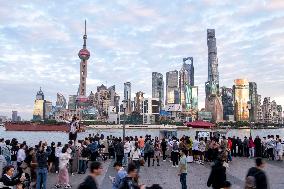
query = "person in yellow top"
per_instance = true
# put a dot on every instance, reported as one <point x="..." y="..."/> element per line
<point x="183" y="169"/>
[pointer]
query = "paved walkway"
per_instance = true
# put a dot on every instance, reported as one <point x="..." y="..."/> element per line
<point x="166" y="176"/>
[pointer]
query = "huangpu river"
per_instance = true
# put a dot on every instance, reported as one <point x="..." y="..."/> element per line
<point x="33" y="138"/>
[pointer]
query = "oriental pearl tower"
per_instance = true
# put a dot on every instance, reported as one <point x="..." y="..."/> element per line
<point x="84" y="55"/>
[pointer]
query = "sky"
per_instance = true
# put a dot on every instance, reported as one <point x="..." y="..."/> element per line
<point x="129" y="39"/>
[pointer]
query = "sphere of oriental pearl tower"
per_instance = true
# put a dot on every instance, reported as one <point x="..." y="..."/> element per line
<point x="84" y="54"/>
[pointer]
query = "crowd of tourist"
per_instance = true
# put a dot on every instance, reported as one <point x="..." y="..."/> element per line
<point x="26" y="166"/>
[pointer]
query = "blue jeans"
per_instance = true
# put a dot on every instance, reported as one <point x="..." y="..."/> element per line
<point x="183" y="180"/>
<point x="125" y="159"/>
<point x="82" y="166"/>
<point x="41" y="177"/>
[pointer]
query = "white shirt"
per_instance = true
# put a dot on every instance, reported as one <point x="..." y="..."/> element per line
<point x="21" y="155"/>
<point x="63" y="160"/>
<point x="195" y="145"/>
<point x="135" y="154"/>
<point x="58" y="151"/>
<point x="127" y="147"/>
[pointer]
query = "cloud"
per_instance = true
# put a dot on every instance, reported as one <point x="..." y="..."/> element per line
<point x="128" y="40"/>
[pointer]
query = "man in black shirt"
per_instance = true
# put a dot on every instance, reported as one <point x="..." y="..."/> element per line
<point x="260" y="178"/>
<point x="90" y="182"/>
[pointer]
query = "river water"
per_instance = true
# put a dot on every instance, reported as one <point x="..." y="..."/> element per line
<point x="34" y="137"/>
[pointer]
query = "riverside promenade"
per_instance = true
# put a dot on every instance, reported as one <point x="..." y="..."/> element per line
<point x="166" y="176"/>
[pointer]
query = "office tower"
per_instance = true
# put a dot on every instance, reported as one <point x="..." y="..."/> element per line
<point x="47" y="109"/>
<point x="138" y="101"/>
<point x="253" y="101"/>
<point x="266" y="110"/>
<point x="213" y="102"/>
<point x="14" y="116"/>
<point x="259" y="110"/>
<point x="280" y="115"/>
<point x="72" y="102"/>
<point x="84" y="55"/>
<point x="60" y="101"/>
<point x="186" y="81"/>
<point x="194" y="98"/>
<point x="241" y="99"/>
<point x="172" y="91"/>
<point x="127" y="97"/>
<point x="158" y="87"/>
<point x="39" y="106"/>
<point x="227" y="101"/>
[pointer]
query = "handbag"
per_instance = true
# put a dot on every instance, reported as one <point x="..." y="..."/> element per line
<point x="142" y="161"/>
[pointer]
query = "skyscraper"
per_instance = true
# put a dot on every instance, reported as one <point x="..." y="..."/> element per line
<point x="127" y="96"/>
<point x="266" y="110"/>
<point x="259" y="110"/>
<point x="39" y="106"/>
<point x="186" y="81"/>
<point x="253" y="101"/>
<point x="213" y="102"/>
<point x="61" y="101"/>
<point x="172" y="92"/>
<point x="227" y="101"/>
<point x="158" y="87"/>
<point x="14" y="116"/>
<point x="84" y="55"/>
<point x="241" y="99"/>
<point x="138" y="101"/>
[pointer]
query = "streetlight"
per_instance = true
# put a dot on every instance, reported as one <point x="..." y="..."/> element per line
<point x="250" y="109"/>
<point x="124" y="107"/>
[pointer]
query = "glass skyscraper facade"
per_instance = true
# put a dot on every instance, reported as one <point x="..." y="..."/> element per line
<point x="158" y="87"/>
<point x="172" y="93"/>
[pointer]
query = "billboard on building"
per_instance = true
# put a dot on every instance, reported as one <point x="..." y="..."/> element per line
<point x="241" y="94"/>
<point x="173" y="108"/>
<point x="194" y="97"/>
<point x="188" y="95"/>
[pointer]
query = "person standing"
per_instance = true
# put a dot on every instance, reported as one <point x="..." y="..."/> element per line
<point x="135" y="156"/>
<point x="126" y="151"/>
<point x="279" y="149"/>
<point x="246" y="148"/>
<point x="256" y="177"/>
<point x="164" y="148"/>
<point x="201" y="148"/>
<point x="257" y="143"/>
<point x="63" y="176"/>
<point x="175" y="152"/>
<point x="157" y="152"/>
<point x="41" y="172"/>
<point x="251" y="146"/>
<point x="74" y="127"/>
<point x="91" y="181"/>
<point x="195" y="149"/>
<point x="183" y="169"/>
<point x="148" y="151"/>
<point x="119" y="151"/>
<point x="58" y="151"/>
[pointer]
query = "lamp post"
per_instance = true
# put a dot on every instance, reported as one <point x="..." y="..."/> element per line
<point x="124" y="108"/>
<point x="250" y="109"/>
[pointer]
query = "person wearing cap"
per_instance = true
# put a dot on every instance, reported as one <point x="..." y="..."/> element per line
<point x="121" y="173"/>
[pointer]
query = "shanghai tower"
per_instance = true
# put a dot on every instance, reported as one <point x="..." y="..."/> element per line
<point x="213" y="102"/>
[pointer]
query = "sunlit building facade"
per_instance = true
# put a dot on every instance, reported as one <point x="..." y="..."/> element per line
<point x="172" y="90"/>
<point x="241" y="99"/>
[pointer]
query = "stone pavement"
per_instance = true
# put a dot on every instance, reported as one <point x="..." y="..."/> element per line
<point x="166" y="176"/>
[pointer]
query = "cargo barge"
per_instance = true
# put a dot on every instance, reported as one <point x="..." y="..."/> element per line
<point x="30" y="126"/>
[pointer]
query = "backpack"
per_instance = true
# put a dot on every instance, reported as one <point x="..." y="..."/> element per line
<point x="85" y="152"/>
<point x="250" y="182"/>
<point x="175" y="146"/>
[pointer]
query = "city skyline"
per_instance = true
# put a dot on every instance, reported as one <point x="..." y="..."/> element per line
<point x="156" y="41"/>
